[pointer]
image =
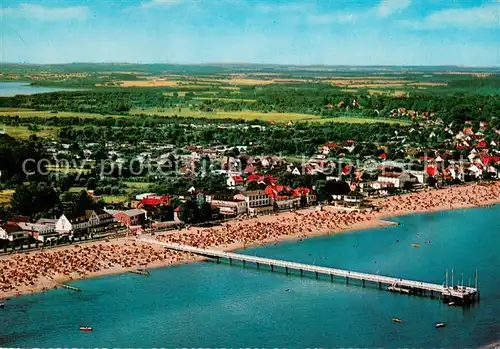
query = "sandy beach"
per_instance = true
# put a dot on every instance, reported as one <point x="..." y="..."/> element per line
<point x="38" y="271"/>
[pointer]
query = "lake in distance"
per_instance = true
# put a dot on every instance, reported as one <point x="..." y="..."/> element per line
<point x="209" y="305"/>
<point x="10" y="89"/>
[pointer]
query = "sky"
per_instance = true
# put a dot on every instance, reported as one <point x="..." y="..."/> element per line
<point x="327" y="32"/>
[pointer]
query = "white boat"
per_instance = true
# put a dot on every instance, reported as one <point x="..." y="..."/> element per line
<point x="440" y="324"/>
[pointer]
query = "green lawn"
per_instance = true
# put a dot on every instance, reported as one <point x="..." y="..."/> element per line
<point x="137" y="185"/>
<point x="77" y="189"/>
<point x="114" y="199"/>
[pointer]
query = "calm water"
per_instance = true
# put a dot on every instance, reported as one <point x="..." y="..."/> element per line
<point x="9" y="89"/>
<point x="209" y="305"/>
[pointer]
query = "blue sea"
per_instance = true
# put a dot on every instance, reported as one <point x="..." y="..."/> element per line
<point x="217" y="305"/>
<point x="10" y="89"/>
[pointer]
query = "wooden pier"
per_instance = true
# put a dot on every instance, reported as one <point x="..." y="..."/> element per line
<point x="456" y="294"/>
<point x="143" y="272"/>
<point x="76" y="289"/>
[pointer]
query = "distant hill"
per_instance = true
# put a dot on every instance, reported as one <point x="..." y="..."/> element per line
<point x="213" y="68"/>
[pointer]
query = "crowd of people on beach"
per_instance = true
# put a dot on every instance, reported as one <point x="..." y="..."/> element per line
<point x="297" y="224"/>
<point x="26" y="270"/>
<point x="33" y="271"/>
<point x="448" y="198"/>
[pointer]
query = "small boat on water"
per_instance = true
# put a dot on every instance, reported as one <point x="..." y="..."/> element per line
<point x="440" y="324"/>
<point x="415" y="245"/>
<point x="398" y="320"/>
<point x="86" y="329"/>
<point x="2" y="305"/>
<point x="451" y="304"/>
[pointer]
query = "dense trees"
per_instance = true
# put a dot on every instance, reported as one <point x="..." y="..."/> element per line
<point x="190" y="212"/>
<point x="325" y="189"/>
<point x="308" y="98"/>
<point x="16" y="153"/>
<point x="35" y="199"/>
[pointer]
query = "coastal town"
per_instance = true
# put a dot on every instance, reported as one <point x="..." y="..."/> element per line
<point x="267" y="200"/>
<point x="249" y="186"/>
<point x="249" y="174"/>
<point x="129" y="180"/>
<point x="43" y="269"/>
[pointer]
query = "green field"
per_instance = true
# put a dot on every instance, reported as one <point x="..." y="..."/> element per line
<point x="137" y="185"/>
<point x="77" y="189"/>
<point x="242" y="100"/>
<point x="64" y="169"/>
<point x="359" y="120"/>
<point x="270" y="117"/>
<point x="114" y="199"/>
<point x="245" y="114"/>
<point x="24" y="133"/>
<point x="24" y="113"/>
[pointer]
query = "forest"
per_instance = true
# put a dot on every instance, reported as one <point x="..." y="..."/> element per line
<point x="311" y="99"/>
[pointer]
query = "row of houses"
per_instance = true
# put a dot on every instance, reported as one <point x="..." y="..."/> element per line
<point x="19" y="230"/>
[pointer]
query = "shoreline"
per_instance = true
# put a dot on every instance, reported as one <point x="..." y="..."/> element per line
<point x="286" y="220"/>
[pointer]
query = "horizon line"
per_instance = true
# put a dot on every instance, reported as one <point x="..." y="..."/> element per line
<point x="256" y="64"/>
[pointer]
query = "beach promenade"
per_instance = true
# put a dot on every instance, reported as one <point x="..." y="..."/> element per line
<point x="40" y="270"/>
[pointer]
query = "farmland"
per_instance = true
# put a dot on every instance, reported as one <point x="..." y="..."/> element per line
<point x="24" y="132"/>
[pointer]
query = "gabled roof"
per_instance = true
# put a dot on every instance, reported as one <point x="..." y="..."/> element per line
<point x="46" y="221"/>
<point x="134" y="212"/>
<point x="250" y="169"/>
<point x="155" y="201"/>
<point x="11" y="227"/>
<point x="237" y="179"/>
<point x="20" y="219"/>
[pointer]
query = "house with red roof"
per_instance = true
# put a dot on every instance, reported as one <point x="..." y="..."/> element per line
<point x="482" y="144"/>
<point x="13" y="233"/>
<point x="326" y="148"/>
<point x="154" y="201"/>
<point x="308" y="194"/>
<point x="282" y="197"/>
<point x="130" y="218"/>
<point x="234" y="182"/>
<point x="254" y="177"/>
<point x="250" y="169"/>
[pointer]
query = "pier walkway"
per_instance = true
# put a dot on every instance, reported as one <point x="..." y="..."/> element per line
<point x="459" y="294"/>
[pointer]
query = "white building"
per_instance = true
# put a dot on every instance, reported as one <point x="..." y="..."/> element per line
<point x="422" y="176"/>
<point x="12" y="233"/>
<point x="234" y="182"/>
<point x="231" y="207"/>
<point x="288" y="204"/>
<point x="398" y="179"/>
<point x="40" y="232"/>
<point x="65" y="226"/>
<point x="91" y="220"/>
<point x="257" y="202"/>
<point x="256" y="198"/>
